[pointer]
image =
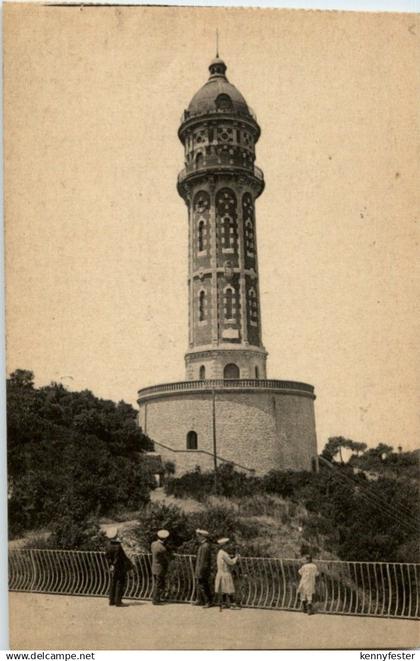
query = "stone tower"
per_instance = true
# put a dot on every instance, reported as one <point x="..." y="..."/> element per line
<point x="220" y="183"/>
<point x="226" y="410"/>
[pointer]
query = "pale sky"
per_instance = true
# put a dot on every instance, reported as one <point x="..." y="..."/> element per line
<point x="97" y="234"/>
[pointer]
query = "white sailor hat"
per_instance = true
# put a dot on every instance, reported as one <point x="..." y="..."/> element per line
<point x="223" y="540"/>
<point x="163" y="534"/>
<point x="112" y="533"/>
<point x="203" y="533"/>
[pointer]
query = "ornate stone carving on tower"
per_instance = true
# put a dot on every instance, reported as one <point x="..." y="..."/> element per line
<point x="220" y="183"/>
<point x="226" y="410"/>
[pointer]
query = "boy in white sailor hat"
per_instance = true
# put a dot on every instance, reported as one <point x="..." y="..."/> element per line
<point x="160" y="564"/>
<point x="203" y="569"/>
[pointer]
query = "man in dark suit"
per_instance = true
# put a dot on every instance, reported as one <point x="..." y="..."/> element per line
<point x="160" y="563"/>
<point x="203" y="569"/>
<point x="119" y="565"/>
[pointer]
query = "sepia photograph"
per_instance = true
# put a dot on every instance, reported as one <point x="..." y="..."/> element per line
<point x="212" y="335"/>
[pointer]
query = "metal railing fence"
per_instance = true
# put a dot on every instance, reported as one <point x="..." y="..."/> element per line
<point x="188" y="114"/>
<point x="226" y="384"/>
<point x="381" y="589"/>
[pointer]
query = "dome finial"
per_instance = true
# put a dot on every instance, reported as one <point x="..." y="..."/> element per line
<point x="217" y="66"/>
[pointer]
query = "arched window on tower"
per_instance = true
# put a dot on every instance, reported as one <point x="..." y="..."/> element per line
<point x="229" y="303"/>
<point x="227" y="219"/>
<point x="202" y="305"/>
<point x="248" y="216"/>
<point x="252" y="307"/>
<point x="257" y="372"/>
<point x="199" y="161"/>
<point x="201" y="236"/>
<point x="192" y="440"/>
<point x="228" y="233"/>
<point x="249" y="238"/>
<point x="202" y="373"/>
<point x="231" y="371"/>
<point x="201" y="213"/>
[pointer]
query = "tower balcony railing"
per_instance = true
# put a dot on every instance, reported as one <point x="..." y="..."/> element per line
<point x="208" y="385"/>
<point x="213" y="165"/>
<point x="187" y="114"/>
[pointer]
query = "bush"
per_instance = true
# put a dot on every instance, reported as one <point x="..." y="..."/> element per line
<point x="69" y="534"/>
<point x="195" y="484"/>
<point x="156" y="516"/>
<point x="228" y="482"/>
<point x="219" y="521"/>
<point x="38" y="541"/>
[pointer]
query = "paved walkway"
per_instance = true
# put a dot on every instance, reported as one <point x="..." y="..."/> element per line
<point x="39" y="621"/>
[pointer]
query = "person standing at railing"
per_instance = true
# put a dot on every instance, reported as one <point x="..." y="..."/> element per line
<point x="306" y="588"/>
<point x="160" y="564"/>
<point x="224" y="586"/>
<point x="119" y="565"/>
<point x="203" y="569"/>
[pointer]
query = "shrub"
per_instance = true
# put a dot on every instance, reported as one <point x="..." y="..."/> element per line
<point x="70" y="534"/>
<point x="190" y="485"/>
<point x="228" y="482"/>
<point x="38" y="541"/>
<point x="218" y="520"/>
<point x="156" y="516"/>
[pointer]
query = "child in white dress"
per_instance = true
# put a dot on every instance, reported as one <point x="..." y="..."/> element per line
<point x="306" y="588"/>
<point x="224" y="586"/>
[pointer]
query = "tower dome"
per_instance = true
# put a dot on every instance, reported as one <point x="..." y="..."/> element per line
<point x="217" y="94"/>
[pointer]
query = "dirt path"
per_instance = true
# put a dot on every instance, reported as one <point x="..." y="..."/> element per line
<point x="40" y="621"/>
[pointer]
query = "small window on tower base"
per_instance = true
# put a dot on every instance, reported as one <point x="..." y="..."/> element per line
<point x="192" y="440"/>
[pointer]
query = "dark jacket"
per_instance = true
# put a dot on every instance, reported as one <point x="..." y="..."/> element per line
<point x="203" y="561"/>
<point x="117" y="558"/>
<point x="160" y="558"/>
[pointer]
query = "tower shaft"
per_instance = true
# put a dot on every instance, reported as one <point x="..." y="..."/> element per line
<point x="219" y="185"/>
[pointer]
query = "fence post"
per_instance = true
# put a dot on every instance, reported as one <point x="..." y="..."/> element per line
<point x="34" y="571"/>
<point x="193" y="581"/>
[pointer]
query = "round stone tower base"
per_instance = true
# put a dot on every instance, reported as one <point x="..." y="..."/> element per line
<point x="256" y="425"/>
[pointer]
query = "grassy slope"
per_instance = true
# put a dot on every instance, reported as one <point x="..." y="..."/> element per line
<point x="277" y="522"/>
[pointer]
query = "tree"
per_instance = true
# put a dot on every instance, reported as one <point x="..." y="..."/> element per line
<point x="336" y="444"/>
<point x="333" y="447"/>
<point x="356" y="447"/>
<point x="22" y="379"/>
<point x="71" y="454"/>
<point x="383" y="451"/>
